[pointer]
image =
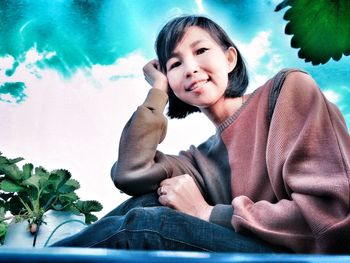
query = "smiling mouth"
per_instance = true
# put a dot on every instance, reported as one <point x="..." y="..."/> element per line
<point x="197" y="85"/>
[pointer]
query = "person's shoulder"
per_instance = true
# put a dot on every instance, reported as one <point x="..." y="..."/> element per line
<point x="298" y="75"/>
<point x="293" y="73"/>
<point x="299" y="81"/>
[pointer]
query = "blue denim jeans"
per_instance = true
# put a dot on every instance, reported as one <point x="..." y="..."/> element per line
<point x="143" y="223"/>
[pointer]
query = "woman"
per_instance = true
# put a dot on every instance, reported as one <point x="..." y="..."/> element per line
<point x="263" y="183"/>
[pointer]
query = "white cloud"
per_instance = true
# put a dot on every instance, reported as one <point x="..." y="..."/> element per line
<point x="6" y="62"/>
<point x="129" y="66"/>
<point x="200" y="6"/>
<point x="275" y="62"/>
<point x="32" y="56"/>
<point x="262" y="60"/>
<point x="258" y="48"/>
<point x="76" y="124"/>
<point x="73" y="124"/>
<point x="332" y="96"/>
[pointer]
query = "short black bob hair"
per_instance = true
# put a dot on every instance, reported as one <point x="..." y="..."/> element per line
<point x="167" y="40"/>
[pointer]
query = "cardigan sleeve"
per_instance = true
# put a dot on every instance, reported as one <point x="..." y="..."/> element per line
<point x="308" y="157"/>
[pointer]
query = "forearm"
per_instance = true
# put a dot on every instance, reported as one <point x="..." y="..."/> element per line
<point x="139" y="169"/>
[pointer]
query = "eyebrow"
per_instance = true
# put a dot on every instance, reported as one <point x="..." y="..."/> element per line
<point x="176" y="54"/>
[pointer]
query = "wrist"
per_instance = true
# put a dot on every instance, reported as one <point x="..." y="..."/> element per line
<point x="161" y="86"/>
<point x="206" y="212"/>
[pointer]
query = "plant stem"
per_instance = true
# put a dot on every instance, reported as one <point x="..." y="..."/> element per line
<point x="36" y="234"/>
<point x="26" y="206"/>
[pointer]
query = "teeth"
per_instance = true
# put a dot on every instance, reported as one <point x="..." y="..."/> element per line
<point x="199" y="84"/>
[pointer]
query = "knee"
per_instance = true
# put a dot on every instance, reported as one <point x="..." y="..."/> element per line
<point x="145" y="217"/>
<point x="142" y="213"/>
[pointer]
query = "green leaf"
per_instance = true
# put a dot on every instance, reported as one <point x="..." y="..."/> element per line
<point x="16" y="160"/>
<point x="65" y="189"/>
<point x="2" y="210"/>
<point x="320" y="28"/>
<point x="3" y="160"/>
<point x="58" y="178"/>
<point x="33" y="181"/>
<point x="283" y="4"/>
<point x="70" y="197"/>
<point x="74" y="183"/>
<point x="11" y="187"/>
<point x="72" y="209"/>
<point x="41" y="171"/>
<point x="90" y="218"/>
<point x="15" y="206"/>
<point x="70" y="186"/>
<point x="3" y="231"/>
<point x="27" y="170"/>
<point x="89" y="206"/>
<point x="11" y="171"/>
<point x="30" y="195"/>
<point x="58" y="206"/>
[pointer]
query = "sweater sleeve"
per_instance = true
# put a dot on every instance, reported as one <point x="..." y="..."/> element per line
<point x="140" y="167"/>
<point x="221" y="215"/>
<point x="308" y="157"/>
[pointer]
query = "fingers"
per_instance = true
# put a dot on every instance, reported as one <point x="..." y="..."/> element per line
<point x="161" y="191"/>
<point x="154" y="76"/>
<point x="151" y="66"/>
<point x="165" y="198"/>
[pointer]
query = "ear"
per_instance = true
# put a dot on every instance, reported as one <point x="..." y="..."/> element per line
<point x="231" y="55"/>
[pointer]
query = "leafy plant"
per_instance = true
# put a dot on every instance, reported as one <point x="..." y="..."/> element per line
<point x="3" y="224"/>
<point x="320" y="28"/>
<point x="29" y="192"/>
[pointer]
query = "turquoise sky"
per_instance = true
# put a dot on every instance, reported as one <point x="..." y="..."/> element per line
<point x="71" y="75"/>
<point x="87" y="32"/>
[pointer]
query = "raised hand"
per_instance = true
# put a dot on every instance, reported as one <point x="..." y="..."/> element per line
<point x="154" y="76"/>
<point x="181" y="193"/>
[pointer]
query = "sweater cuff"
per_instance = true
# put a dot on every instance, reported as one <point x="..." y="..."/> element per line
<point x="156" y="99"/>
<point x="221" y="215"/>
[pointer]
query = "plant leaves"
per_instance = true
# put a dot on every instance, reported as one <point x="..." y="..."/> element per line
<point x="283" y="4"/>
<point x="57" y="207"/>
<point x="72" y="209"/>
<point x="11" y="171"/>
<point x="71" y="197"/>
<point x="27" y="195"/>
<point x="27" y="170"/>
<point x="41" y="171"/>
<point x="33" y="181"/>
<point x="89" y="206"/>
<point x="320" y="28"/>
<point x="2" y="210"/>
<point x="16" y="160"/>
<point x="15" y="206"/>
<point x="90" y="218"/>
<point x="3" y="231"/>
<point x="5" y="196"/>
<point x="3" y="160"/>
<point x="11" y="187"/>
<point x="58" y="178"/>
<point x="70" y="186"/>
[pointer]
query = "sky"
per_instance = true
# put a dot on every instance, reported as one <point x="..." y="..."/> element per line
<point x="71" y="76"/>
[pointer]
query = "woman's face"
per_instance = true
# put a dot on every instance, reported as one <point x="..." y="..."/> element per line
<point x="198" y="68"/>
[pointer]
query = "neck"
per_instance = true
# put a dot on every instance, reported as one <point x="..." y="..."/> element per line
<point x="222" y="109"/>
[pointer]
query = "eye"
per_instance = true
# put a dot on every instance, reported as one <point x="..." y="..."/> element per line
<point x="174" y="65"/>
<point x="201" y="51"/>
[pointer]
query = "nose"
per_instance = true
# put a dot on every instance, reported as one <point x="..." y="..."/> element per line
<point x="191" y="68"/>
